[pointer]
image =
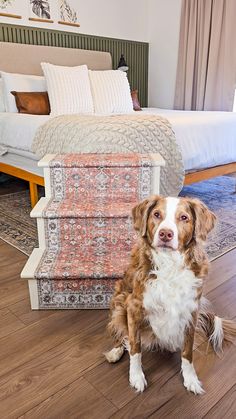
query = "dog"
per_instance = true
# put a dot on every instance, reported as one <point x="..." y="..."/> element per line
<point x="159" y="302"/>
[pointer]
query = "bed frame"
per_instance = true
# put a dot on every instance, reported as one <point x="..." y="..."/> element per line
<point x="33" y="179"/>
<point x="26" y="59"/>
<point x="205" y="174"/>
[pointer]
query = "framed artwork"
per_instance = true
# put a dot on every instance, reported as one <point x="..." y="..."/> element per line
<point x="10" y="8"/>
<point x="68" y="12"/>
<point x="40" y="11"/>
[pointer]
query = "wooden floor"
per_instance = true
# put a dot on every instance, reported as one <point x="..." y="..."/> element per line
<point x="51" y="362"/>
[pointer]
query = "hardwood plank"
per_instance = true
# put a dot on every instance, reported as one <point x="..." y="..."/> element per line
<point x="12" y="261"/>
<point x="12" y="290"/>
<point x="9" y="323"/>
<point x="32" y="341"/>
<point x="225" y="408"/>
<point x="223" y="299"/>
<point x="77" y="400"/>
<point x="22" y="310"/>
<point x="21" y="389"/>
<point x="113" y="382"/>
<point x="171" y="400"/>
<point x="221" y="270"/>
<point x="216" y="383"/>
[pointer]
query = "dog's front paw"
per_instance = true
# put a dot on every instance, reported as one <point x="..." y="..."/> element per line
<point x="193" y="384"/>
<point x="191" y="381"/>
<point x="138" y="381"/>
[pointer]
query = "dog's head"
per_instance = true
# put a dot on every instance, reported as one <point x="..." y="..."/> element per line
<point x="173" y="222"/>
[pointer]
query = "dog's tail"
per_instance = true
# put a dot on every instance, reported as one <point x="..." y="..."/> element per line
<point x="217" y="329"/>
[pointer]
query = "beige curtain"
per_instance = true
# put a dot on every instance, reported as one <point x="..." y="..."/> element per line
<point x="206" y="72"/>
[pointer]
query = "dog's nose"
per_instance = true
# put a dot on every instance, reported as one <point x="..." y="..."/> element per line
<point x="166" y="235"/>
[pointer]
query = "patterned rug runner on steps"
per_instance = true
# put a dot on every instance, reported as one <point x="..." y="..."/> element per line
<point x="85" y="227"/>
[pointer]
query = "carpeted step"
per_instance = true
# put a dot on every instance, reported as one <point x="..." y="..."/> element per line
<point x="66" y="293"/>
<point x="89" y="235"/>
<point x="91" y="229"/>
<point x="75" y="294"/>
<point x="64" y="264"/>
<point x="124" y="177"/>
<point x="118" y="160"/>
<point x="52" y="208"/>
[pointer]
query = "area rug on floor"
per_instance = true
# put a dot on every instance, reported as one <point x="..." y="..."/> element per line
<point x="19" y="230"/>
<point x="16" y="226"/>
<point x="219" y="195"/>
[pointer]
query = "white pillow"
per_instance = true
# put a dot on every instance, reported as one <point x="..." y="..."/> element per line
<point x="68" y="89"/>
<point x="20" y="83"/>
<point x="111" y="92"/>
<point x="2" y="103"/>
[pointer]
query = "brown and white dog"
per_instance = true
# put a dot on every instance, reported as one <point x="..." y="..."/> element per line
<point x="159" y="302"/>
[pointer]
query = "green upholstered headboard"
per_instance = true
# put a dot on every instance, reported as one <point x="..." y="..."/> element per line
<point x="136" y="53"/>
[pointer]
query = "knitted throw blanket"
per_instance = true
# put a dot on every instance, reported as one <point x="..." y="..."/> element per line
<point x="115" y="134"/>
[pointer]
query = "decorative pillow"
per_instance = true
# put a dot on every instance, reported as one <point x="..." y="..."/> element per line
<point x="68" y="89"/>
<point x="2" y="104"/>
<point x="20" y="83"/>
<point x="35" y="103"/>
<point x="136" y="104"/>
<point x="111" y="92"/>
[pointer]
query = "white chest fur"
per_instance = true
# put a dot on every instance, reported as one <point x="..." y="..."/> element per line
<point x="170" y="299"/>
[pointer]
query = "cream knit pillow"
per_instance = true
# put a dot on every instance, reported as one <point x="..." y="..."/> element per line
<point x="111" y="92"/>
<point x="68" y="89"/>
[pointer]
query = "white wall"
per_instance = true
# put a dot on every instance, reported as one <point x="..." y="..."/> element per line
<point x="125" y="19"/>
<point x="163" y="35"/>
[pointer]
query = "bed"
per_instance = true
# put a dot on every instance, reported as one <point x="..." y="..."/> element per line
<point x="207" y="139"/>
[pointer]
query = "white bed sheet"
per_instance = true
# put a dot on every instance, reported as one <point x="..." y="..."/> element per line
<point x="18" y="130"/>
<point x="206" y="139"/>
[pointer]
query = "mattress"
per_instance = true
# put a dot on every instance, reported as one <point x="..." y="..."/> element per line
<point x="206" y="139"/>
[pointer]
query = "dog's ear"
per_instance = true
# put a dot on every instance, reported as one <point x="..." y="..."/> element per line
<point x="204" y="219"/>
<point x="141" y="213"/>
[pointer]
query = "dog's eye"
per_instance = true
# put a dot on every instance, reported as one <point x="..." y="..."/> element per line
<point x="184" y="218"/>
<point x="157" y="214"/>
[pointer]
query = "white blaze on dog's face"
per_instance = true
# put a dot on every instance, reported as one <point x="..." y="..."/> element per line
<point x="173" y="222"/>
<point x="166" y="234"/>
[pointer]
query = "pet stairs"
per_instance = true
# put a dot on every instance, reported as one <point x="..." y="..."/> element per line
<point x="84" y="226"/>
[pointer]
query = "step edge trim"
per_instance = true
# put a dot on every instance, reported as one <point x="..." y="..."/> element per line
<point x="40" y="207"/>
<point x="32" y="263"/>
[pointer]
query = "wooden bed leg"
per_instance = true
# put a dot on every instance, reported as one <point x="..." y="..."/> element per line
<point x="33" y="194"/>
